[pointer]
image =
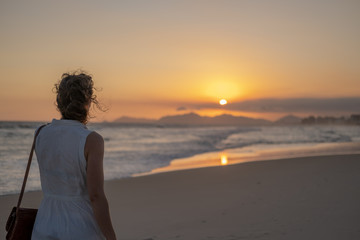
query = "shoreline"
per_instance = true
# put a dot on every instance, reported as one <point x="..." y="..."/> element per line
<point x="298" y="198"/>
<point x="255" y="153"/>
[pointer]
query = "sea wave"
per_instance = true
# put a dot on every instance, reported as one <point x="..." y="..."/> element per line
<point x="131" y="150"/>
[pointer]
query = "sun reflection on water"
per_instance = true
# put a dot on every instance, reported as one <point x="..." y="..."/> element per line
<point x="224" y="160"/>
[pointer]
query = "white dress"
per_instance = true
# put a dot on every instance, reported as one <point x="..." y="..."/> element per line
<point x="65" y="211"/>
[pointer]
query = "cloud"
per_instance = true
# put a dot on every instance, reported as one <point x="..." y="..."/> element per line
<point x="298" y="105"/>
<point x="182" y="108"/>
<point x="295" y="105"/>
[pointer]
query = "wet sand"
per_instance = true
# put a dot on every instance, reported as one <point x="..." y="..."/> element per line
<point x="300" y="198"/>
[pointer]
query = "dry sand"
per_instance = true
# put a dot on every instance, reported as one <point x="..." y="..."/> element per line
<point x="302" y="198"/>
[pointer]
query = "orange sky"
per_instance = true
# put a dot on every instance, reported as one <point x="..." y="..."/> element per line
<point x="152" y="57"/>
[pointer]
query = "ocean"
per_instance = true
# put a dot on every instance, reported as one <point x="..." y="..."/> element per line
<point x="135" y="149"/>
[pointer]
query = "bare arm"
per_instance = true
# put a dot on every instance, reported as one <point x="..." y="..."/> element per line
<point x="94" y="154"/>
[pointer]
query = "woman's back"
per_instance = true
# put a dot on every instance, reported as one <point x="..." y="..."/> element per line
<point x="60" y="154"/>
<point x="65" y="212"/>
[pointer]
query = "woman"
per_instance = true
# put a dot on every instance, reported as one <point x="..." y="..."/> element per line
<point x="70" y="160"/>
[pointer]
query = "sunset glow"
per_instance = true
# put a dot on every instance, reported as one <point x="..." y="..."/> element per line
<point x="223" y="88"/>
<point x="150" y="61"/>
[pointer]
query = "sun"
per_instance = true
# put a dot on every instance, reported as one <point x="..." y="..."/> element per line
<point x="223" y="102"/>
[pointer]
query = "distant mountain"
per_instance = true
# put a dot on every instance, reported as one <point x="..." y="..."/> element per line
<point x="288" y="120"/>
<point x="126" y="119"/>
<point x="221" y="120"/>
<point x="238" y="120"/>
<point x="185" y="119"/>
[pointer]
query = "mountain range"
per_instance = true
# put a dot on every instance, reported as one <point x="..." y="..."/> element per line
<point x="221" y="120"/>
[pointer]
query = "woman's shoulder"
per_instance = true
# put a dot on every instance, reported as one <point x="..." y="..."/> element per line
<point x="95" y="136"/>
<point x="94" y="139"/>
<point x="38" y="129"/>
<point x="94" y="143"/>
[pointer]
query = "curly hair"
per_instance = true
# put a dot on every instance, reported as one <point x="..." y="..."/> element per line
<point x="75" y="91"/>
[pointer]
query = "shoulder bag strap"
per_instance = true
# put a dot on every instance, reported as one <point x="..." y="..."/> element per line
<point x="28" y="169"/>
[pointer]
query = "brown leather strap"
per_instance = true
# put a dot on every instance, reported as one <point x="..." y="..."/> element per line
<point x="28" y="169"/>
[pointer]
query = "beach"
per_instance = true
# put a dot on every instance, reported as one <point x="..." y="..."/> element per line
<point x="300" y="198"/>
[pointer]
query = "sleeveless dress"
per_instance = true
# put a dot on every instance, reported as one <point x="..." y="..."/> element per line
<point x="65" y="211"/>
